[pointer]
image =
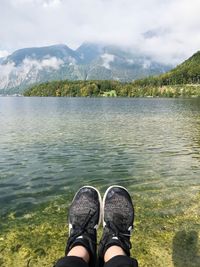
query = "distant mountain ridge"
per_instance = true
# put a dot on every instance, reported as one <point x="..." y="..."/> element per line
<point x="37" y="53"/>
<point x="90" y="61"/>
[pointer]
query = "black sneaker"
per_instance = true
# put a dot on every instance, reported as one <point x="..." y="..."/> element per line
<point x="118" y="217"/>
<point x="84" y="219"/>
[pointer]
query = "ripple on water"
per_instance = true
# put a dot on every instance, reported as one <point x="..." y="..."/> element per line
<point x="50" y="146"/>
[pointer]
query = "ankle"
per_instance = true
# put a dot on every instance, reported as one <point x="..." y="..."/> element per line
<point x="81" y="252"/>
<point x="112" y="252"/>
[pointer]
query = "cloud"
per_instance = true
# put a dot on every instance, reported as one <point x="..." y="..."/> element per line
<point x="51" y="3"/>
<point x="51" y="62"/>
<point x="107" y="59"/>
<point x="5" y="71"/>
<point x="168" y="31"/>
<point x="29" y="69"/>
<point x="3" y="53"/>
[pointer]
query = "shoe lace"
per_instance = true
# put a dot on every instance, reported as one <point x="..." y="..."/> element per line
<point x="83" y="228"/>
<point x="115" y="231"/>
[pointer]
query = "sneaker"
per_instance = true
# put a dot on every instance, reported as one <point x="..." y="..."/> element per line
<point x="84" y="220"/>
<point x="118" y="217"/>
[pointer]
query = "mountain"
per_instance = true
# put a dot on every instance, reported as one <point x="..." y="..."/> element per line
<point x="88" y="62"/>
<point x="37" y="53"/>
<point x="187" y="72"/>
<point x="88" y="52"/>
<point x="182" y="81"/>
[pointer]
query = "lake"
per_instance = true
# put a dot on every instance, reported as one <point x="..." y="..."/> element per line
<point x="49" y="147"/>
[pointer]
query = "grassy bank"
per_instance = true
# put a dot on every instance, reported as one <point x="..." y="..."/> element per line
<point x="166" y="232"/>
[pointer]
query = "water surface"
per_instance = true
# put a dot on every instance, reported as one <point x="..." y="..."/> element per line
<point x="49" y="147"/>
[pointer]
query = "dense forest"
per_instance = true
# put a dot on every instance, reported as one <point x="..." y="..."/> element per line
<point x="111" y="88"/>
<point x="182" y="81"/>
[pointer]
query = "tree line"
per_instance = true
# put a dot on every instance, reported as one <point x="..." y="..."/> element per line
<point x="140" y="88"/>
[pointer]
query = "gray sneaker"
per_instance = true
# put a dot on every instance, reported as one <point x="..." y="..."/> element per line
<point x="84" y="220"/>
<point x="118" y="218"/>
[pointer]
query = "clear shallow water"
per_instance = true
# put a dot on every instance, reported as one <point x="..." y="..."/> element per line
<point x="51" y="146"/>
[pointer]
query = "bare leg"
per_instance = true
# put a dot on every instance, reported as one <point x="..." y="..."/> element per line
<point x="112" y="252"/>
<point x="81" y="252"/>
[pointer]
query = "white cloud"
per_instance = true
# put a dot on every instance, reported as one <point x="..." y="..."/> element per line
<point x="51" y="3"/>
<point x="146" y="64"/>
<point x="5" y="71"/>
<point x="130" y="61"/>
<point x="51" y="62"/>
<point x="3" y="53"/>
<point x="175" y="25"/>
<point x="107" y="59"/>
<point x="29" y="69"/>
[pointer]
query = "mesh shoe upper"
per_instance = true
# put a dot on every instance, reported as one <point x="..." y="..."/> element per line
<point x="84" y="219"/>
<point x="118" y="217"/>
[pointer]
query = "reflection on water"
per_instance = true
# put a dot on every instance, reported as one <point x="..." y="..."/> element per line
<point x="51" y="146"/>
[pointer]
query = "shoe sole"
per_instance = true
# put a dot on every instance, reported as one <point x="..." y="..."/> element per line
<point x="104" y="199"/>
<point x="100" y="204"/>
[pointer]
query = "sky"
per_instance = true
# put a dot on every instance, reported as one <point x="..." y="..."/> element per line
<point x="166" y="30"/>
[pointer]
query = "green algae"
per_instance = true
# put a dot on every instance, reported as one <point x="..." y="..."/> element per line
<point x="166" y="233"/>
